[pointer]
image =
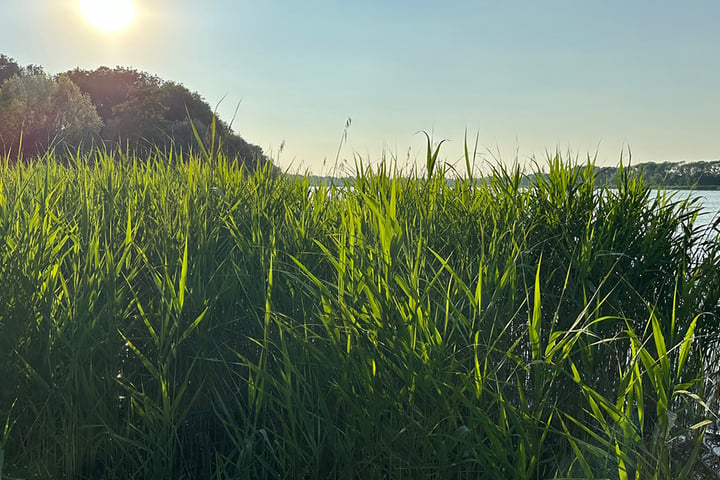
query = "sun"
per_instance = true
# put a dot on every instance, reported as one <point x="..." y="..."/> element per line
<point x="108" y="15"/>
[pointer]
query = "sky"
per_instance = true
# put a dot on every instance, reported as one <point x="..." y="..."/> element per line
<point x="526" y="77"/>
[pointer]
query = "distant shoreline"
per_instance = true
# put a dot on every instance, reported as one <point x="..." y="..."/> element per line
<point x="708" y="188"/>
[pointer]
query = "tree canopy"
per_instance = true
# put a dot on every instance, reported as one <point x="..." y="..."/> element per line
<point x="120" y="107"/>
<point x="146" y="112"/>
<point x="37" y="112"/>
<point x="8" y="68"/>
<point x="699" y="174"/>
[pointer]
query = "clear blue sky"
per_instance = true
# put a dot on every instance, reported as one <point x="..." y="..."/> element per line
<point x="528" y="76"/>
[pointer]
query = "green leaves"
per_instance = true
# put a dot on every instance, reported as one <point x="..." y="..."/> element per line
<point x="535" y="323"/>
<point x="518" y="326"/>
<point x="431" y="155"/>
<point x="38" y="113"/>
<point x="10" y="422"/>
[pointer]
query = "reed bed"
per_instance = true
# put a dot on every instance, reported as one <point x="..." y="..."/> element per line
<point x="184" y="317"/>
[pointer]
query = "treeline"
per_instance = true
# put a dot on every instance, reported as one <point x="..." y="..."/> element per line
<point x="689" y="175"/>
<point x="672" y="174"/>
<point x="116" y="108"/>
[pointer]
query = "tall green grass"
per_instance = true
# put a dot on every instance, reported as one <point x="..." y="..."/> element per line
<point x="183" y="317"/>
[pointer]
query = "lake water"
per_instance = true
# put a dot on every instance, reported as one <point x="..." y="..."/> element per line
<point x="709" y="199"/>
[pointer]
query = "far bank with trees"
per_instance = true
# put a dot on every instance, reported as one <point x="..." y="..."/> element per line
<point x="699" y="175"/>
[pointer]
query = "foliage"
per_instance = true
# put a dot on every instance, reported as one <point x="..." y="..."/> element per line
<point x="138" y="112"/>
<point x="108" y="87"/>
<point x="674" y="174"/>
<point x="188" y="318"/>
<point x="145" y="113"/>
<point x="38" y="112"/>
<point x="8" y="68"/>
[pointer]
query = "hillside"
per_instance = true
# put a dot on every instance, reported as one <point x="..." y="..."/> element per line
<point x="116" y="108"/>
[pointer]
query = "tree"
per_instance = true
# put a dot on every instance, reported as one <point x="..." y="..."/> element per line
<point x="143" y="112"/>
<point x="109" y="87"/>
<point x="37" y="112"/>
<point x="120" y="106"/>
<point x="8" y="68"/>
<point x="140" y="120"/>
<point x="671" y="174"/>
<point x="180" y="102"/>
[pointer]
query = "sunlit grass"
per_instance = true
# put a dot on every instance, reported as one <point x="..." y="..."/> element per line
<point x="189" y="318"/>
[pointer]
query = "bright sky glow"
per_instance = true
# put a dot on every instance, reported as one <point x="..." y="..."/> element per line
<point x="108" y="15"/>
<point x="527" y="76"/>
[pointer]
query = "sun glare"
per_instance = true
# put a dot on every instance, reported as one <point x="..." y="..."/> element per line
<point x="108" y="15"/>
